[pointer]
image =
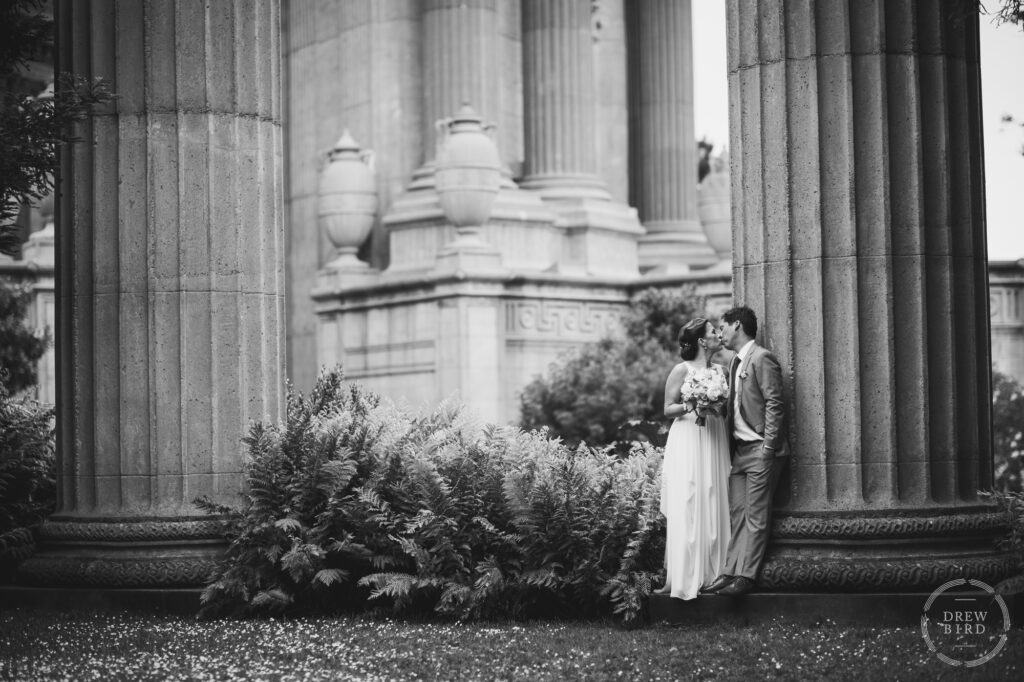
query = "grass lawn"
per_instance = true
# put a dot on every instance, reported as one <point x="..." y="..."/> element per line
<point x="41" y="645"/>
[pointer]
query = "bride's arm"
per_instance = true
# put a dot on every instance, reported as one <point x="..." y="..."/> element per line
<point x="674" y="408"/>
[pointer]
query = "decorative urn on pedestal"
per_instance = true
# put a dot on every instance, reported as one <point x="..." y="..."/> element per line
<point x="347" y="201"/>
<point x="713" y="194"/>
<point x="468" y="177"/>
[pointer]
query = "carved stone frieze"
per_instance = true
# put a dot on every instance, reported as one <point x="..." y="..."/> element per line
<point x="131" y="531"/>
<point x="867" y="575"/>
<point x="570" y="320"/>
<point x="885" y="527"/>
<point x="110" y="572"/>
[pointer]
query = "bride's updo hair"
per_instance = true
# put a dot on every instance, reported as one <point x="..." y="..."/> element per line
<point x="692" y="332"/>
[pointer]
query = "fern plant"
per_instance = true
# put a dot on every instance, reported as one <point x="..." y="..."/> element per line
<point x="354" y="500"/>
<point x="27" y="474"/>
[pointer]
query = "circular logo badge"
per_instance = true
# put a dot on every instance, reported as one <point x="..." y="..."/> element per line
<point x="965" y="623"/>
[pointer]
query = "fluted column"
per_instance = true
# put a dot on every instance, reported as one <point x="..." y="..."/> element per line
<point x="858" y="220"/>
<point x="560" y="139"/>
<point x="559" y="99"/>
<point x="460" y="63"/>
<point x="170" y="284"/>
<point x="664" y="159"/>
<point x="611" y="66"/>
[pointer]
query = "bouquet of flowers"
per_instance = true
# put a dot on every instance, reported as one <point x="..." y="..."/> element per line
<point x="706" y="391"/>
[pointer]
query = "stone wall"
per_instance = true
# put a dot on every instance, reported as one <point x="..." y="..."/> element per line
<point x="480" y="340"/>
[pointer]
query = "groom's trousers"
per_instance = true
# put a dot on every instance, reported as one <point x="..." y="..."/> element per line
<point x="752" y="483"/>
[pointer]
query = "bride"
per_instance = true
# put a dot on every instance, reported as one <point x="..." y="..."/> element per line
<point x="695" y="472"/>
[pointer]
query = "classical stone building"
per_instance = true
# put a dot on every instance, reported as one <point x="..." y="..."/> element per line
<point x="593" y="111"/>
<point x="857" y="222"/>
<point x="1006" y="301"/>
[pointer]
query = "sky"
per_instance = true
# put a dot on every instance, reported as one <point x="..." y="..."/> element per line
<point x="1002" y="84"/>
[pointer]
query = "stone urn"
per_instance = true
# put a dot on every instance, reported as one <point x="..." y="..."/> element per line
<point x="468" y="175"/>
<point x="713" y="195"/>
<point x="347" y="203"/>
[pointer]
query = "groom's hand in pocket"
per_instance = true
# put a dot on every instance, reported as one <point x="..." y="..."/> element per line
<point x="767" y="452"/>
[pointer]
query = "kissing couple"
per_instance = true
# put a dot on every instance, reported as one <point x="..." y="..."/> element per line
<point x="725" y="451"/>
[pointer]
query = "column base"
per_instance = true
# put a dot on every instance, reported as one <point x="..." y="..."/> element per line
<point x="521" y="228"/>
<point x="600" y="237"/>
<point x="912" y="551"/>
<point x="469" y="258"/>
<point x="345" y="278"/>
<point x="675" y="247"/>
<point x="117" y="552"/>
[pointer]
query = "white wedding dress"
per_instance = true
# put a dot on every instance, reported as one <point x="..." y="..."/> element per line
<point x="695" y="502"/>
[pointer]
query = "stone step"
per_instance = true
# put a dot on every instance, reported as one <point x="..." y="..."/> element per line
<point x="899" y="609"/>
<point x="180" y="601"/>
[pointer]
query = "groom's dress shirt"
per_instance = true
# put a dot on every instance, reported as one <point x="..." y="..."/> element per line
<point x="741" y="429"/>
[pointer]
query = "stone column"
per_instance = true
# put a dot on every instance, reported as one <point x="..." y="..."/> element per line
<point x="460" y="63"/>
<point x="560" y="99"/>
<point x="560" y="105"/>
<point x="611" y="75"/>
<point x="355" y="65"/>
<point x="858" y="219"/>
<point x="170" y="285"/>
<point x="664" y="169"/>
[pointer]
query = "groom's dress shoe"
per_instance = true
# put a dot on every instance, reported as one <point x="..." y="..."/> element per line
<point x="718" y="583"/>
<point x="737" y="587"/>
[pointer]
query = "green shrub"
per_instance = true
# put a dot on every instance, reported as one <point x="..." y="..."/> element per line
<point x="612" y="391"/>
<point x="353" y="502"/>
<point x="1007" y="431"/>
<point x="27" y="474"/>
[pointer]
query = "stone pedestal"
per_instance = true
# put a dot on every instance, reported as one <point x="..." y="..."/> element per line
<point x="713" y="195"/>
<point x="460" y="66"/>
<point x="663" y="180"/>
<point x="560" y="106"/>
<point x="169" y="284"/>
<point x="858" y="212"/>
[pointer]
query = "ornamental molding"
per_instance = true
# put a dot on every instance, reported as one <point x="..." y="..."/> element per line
<point x="887" y="527"/>
<point x="103" y="572"/>
<point x="131" y="531"/>
<point x="861" y="575"/>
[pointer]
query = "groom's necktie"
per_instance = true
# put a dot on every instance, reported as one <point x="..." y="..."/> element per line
<point x="733" y="367"/>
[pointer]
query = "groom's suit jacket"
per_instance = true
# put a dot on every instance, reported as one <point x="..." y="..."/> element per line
<point x="759" y="378"/>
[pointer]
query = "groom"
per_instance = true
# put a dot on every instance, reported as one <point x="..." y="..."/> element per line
<point x="757" y="426"/>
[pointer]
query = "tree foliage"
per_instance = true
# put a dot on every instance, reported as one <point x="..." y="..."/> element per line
<point x="27" y="474"/>
<point x="20" y="346"/>
<point x="598" y="393"/>
<point x="1005" y="12"/>
<point x="32" y="129"/>
<point x="1008" y="431"/>
<point x="354" y="502"/>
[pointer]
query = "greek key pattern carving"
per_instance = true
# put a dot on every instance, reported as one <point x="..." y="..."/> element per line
<point x="156" y="572"/>
<point x="560" y="319"/>
<point x="859" y="575"/>
<point x="812" y="527"/>
<point x="131" y="531"/>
